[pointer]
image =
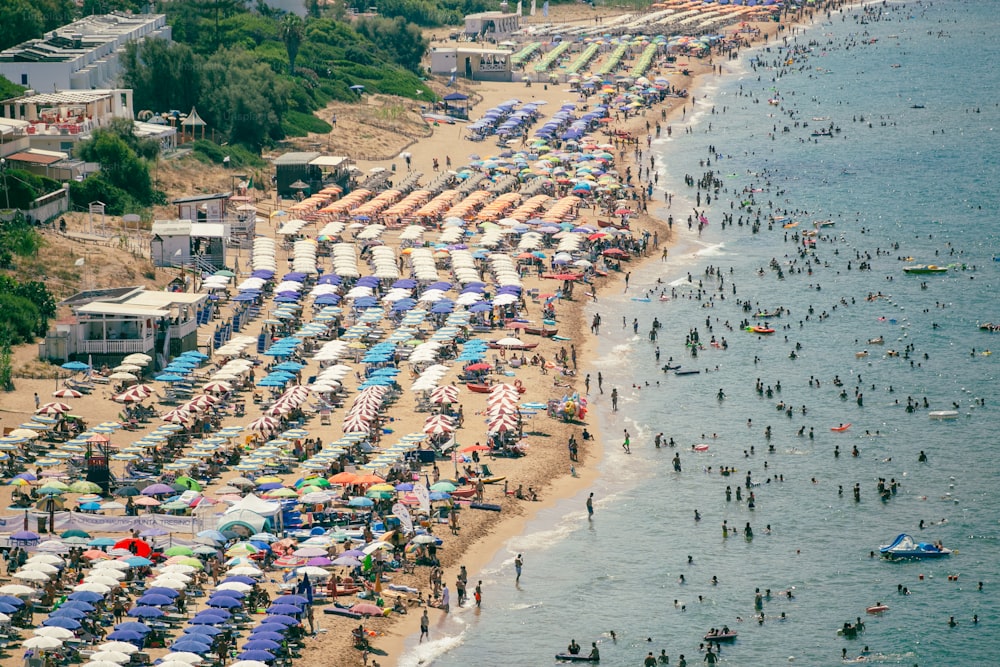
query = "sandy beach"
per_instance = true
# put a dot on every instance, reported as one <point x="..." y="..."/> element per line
<point x="546" y="468"/>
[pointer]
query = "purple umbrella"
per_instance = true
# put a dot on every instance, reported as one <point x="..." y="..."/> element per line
<point x="240" y="578"/>
<point x="224" y="601"/>
<point x="353" y="553"/>
<point x="261" y="632"/>
<point x="291" y="599"/>
<point x="258" y="654"/>
<point x="441" y="285"/>
<point x="145" y="612"/>
<point x="318" y="561"/>
<point x="228" y="593"/>
<point x="309" y="552"/>
<point x="157" y="490"/>
<point x="200" y="630"/>
<point x="261" y="644"/>
<point x="276" y="609"/>
<point x="279" y="619"/>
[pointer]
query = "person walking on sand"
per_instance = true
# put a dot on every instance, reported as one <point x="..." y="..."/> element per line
<point x="590" y="506"/>
<point x="425" y="624"/>
<point x="614" y="399"/>
<point x="600" y="382"/>
<point x="626" y="445"/>
<point x="518" y="563"/>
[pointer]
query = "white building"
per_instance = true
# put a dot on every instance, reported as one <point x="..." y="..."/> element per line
<point x="493" y="26"/>
<point x="108" y="325"/>
<point x="57" y="121"/>
<point x="82" y="55"/>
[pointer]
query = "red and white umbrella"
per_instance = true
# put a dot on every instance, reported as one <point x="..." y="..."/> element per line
<point x="501" y="425"/>
<point x="280" y="409"/>
<point x="262" y="424"/>
<point x="439" y="424"/>
<point x="445" y="394"/>
<point x="128" y="397"/>
<point x="177" y="416"/>
<point x="356" y="424"/>
<point x="67" y="393"/>
<point x="54" y="408"/>
<point x="218" y="387"/>
<point x="143" y="389"/>
<point x="203" y="401"/>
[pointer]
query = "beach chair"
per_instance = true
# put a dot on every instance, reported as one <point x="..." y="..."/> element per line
<point x="485" y="470"/>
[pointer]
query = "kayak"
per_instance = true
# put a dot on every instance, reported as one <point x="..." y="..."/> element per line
<point x="579" y="657"/>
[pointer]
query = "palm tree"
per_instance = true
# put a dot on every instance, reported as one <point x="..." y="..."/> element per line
<point x="292" y="31"/>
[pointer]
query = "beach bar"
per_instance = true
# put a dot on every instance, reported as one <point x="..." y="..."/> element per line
<point x="108" y="328"/>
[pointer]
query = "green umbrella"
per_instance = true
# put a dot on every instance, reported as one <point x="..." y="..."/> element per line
<point x="84" y="486"/>
<point x="178" y="550"/>
<point x="187" y="483"/>
<point x="75" y="533"/>
<point x="443" y="487"/>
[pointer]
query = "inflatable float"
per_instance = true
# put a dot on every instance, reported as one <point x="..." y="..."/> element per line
<point x="700" y="448"/>
<point x="943" y="414"/>
<point x="579" y="657"/>
<point x="760" y="330"/>
<point x="877" y="608"/>
<point x="841" y="428"/>
<point x="721" y="637"/>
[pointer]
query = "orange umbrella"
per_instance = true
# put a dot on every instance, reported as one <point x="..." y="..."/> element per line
<point x="368" y="479"/>
<point x="343" y="478"/>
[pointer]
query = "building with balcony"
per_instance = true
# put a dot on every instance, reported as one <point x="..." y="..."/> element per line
<point x="108" y="325"/>
<point x="82" y="55"/>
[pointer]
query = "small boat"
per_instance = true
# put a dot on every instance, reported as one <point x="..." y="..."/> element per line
<point x="943" y="414"/>
<point x="464" y="493"/>
<point x="905" y="546"/>
<point x="721" y="636"/>
<point x="477" y="388"/>
<point x="921" y="269"/>
<point x="841" y="428"/>
<point x="576" y="657"/>
<point x="682" y="372"/>
<point x="823" y="223"/>
<point x="526" y="346"/>
<point x="822" y="133"/>
<point x="545" y="333"/>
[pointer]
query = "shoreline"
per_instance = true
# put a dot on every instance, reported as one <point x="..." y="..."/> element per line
<point x="565" y="487"/>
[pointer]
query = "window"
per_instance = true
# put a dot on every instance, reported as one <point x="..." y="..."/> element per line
<point x="24" y="79"/>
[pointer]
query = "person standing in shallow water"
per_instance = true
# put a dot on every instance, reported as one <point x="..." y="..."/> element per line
<point x="614" y="400"/>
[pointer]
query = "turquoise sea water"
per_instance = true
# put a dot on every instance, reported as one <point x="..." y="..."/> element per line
<point x="923" y="178"/>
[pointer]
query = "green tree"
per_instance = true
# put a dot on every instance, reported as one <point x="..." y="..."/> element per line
<point x="292" y="32"/>
<point x="162" y="75"/>
<point x="120" y="166"/>
<point x="403" y="41"/>
<point x="20" y="21"/>
<point x="21" y="320"/>
<point x="6" y="365"/>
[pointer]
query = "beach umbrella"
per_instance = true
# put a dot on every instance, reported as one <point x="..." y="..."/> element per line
<point x="116" y="657"/>
<point x="122" y="647"/>
<point x="279" y="619"/>
<point x="134" y="626"/>
<point x="203" y="630"/>
<point x="283" y="609"/>
<point x="366" y="609"/>
<point x="145" y="612"/>
<point x="83" y="596"/>
<point x="184" y="656"/>
<point x="61" y="622"/>
<point x="154" y="600"/>
<point x="42" y="643"/>
<point x="53" y="631"/>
